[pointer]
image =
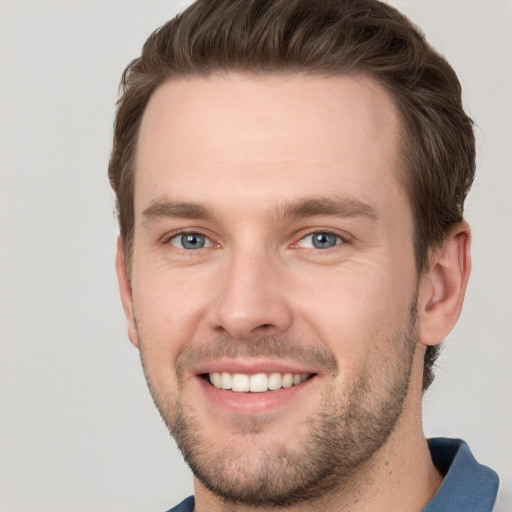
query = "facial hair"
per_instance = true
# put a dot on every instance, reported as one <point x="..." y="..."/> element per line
<point x="350" y="425"/>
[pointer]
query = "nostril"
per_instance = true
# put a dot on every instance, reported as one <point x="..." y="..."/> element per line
<point x="264" y="329"/>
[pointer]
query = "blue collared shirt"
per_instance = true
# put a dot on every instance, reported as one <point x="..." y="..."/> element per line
<point x="467" y="486"/>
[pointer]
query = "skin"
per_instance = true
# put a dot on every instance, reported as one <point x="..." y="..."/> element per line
<point x="250" y="153"/>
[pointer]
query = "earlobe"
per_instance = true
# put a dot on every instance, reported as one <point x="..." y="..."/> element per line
<point x="443" y="287"/>
<point x="125" y="290"/>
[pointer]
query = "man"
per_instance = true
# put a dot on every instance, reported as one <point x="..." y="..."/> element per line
<point x="290" y="178"/>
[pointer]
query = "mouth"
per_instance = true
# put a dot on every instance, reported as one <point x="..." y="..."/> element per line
<point x="255" y="383"/>
<point x="253" y="387"/>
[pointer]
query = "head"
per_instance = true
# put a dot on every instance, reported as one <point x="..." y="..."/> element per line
<point x="345" y="37"/>
<point x="354" y="60"/>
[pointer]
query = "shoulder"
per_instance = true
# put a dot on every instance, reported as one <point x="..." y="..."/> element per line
<point x="187" y="505"/>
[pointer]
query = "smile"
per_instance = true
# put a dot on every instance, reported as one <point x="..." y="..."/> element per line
<point x="256" y="383"/>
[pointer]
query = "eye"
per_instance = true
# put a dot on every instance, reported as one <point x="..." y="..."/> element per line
<point x="190" y="241"/>
<point x="320" y="240"/>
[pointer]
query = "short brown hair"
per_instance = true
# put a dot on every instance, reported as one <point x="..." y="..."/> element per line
<point x="324" y="37"/>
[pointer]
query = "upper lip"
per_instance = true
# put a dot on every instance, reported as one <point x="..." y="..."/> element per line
<point x="250" y="367"/>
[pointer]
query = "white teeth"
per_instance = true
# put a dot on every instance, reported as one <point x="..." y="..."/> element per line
<point x="287" y="380"/>
<point x="240" y="382"/>
<point x="274" y="381"/>
<point x="256" y="383"/>
<point x="216" y="379"/>
<point x="225" y="380"/>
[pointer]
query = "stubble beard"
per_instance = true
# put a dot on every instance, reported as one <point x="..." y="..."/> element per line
<point x="348" y="429"/>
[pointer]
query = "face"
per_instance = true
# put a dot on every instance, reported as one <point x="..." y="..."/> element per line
<point x="273" y="283"/>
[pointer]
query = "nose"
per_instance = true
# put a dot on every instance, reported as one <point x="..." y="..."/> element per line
<point x="251" y="301"/>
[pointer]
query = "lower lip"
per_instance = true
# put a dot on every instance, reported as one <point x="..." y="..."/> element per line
<point x="251" y="403"/>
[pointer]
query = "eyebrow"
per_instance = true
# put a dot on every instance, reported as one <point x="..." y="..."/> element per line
<point x="165" y="208"/>
<point x="334" y="206"/>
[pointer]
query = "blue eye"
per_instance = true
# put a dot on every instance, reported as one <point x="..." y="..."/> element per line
<point x="320" y="240"/>
<point x="190" y="241"/>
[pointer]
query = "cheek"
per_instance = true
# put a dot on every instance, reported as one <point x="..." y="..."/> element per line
<point x="356" y="311"/>
<point x="168" y="308"/>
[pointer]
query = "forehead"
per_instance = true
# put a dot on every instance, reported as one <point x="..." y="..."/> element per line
<point x="267" y="136"/>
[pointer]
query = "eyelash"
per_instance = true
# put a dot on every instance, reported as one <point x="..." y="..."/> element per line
<point x="340" y="239"/>
<point x="167" y="239"/>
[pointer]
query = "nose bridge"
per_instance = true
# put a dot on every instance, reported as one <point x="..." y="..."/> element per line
<point x="251" y="302"/>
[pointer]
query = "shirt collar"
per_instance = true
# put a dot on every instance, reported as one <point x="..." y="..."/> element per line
<point x="466" y="483"/>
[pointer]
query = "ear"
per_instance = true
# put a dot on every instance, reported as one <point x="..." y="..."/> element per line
<point x="443" y="286"/>
<point x="125" y="290"/>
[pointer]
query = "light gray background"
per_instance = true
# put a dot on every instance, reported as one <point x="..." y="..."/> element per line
<point x="78" y="431"/>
